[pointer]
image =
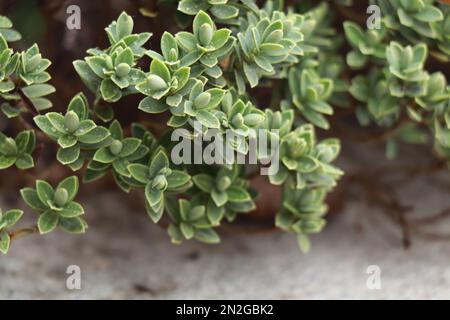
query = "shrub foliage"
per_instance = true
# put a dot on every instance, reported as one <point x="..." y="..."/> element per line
<point x="208" y="72"/>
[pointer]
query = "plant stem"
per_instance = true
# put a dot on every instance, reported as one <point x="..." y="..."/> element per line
<point x="23" y="232"/>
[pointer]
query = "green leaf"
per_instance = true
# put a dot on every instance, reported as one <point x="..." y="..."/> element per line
<point x="176" y="121"/>
<point x="354" y="33"/>
<point x="284" y="220"/>
<point x="139" y="172"/>
<point x="110" y="91"/>
<point x="4" y="242"/>
<point x="420" y="52"/>
<point x="155" y="215"/>
<point x="394" y="54"/>
<point x="203" y="182"/>
<point x="6" y="86"/>
<point x="207" y="119"/>
<point x="160" y="69"/>
<point x="174" y="101"/>
<point x="71" y="185"/>
<point x="191" y="7"/>
<point x="76" y="165"/>
<point x="130" y="145"/>
<point x="93" y="175"/>
<point x="216" y="97"/>
<point x="96" y="135"/>
<point x="279" y="177"/>
<point x="182" y="76"/>
<point x="168" y="43"/>
<point x="177" y="179"/>
<point x="192" y="57"/>
<point x="238" y="194"/>
<point x="38" y="90"/>
<point x="68" y="155"/>
<point x="209" y="61"/>
<point x="207" y="236"/>
<point x="10" y="35"/>
<point x="175" y="234"/>
<point x="11" y="217"/>
<point x="200" y="19"/>
<point x="307" y="164"/>
<point x="264" y="64"/>
<point x="356" y="59"/>
<point x="71" y="210"/>
<point x="187" y="41"/>
<point x="84" y="127"/>
<point x="58" y="121"/>
<point x="220" y="37"/>
<point x="5" y="23"/>
<point x="116" y="130"/>
<point x="251" y="74"/>
<point x="24" y="162"/>
<point x="158" y="162"/>
<point x="41" y="104"/>
<point x="124" y="26"/>
<point x="44" y="191"/>
<point x="26" y="141"/>
<point x="67" y="141"/>
<point x="317" y="119"/>
<point x="98" y="65"/>
<point x="120" y="166"/>
<point x="9" y="111"/>
<point x="104" y="155"/>
<point x="429" y="14"/>
<point x="196" y="213"/>
<point x="73" y="225"/>
<point x="8" y="145"/>
<point x="141" y="152"/>
<point x="187" y="230"/>
<point x="126" y="56"/>
<point x="47" y="222"/>
<point x="78" y="105"/>
<point x="153" y="196"/>
<point x="303" y="242"/>
<point x="7" y="161"/>
<point x="31" y="198"/>
<point x="104" y="112"/>
<point x="46" y="126"/>
<point x="151" y="105"/>
<point x="224" y="11"/>
<point x="215" y="213"/>
<point x="89" y="78"/>
<point x="219" y="198"/>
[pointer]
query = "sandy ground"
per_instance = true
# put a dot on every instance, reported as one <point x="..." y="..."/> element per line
<point x="124" y="256"/>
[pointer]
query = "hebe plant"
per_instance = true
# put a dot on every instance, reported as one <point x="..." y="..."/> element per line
<point x="213" y="71"/>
